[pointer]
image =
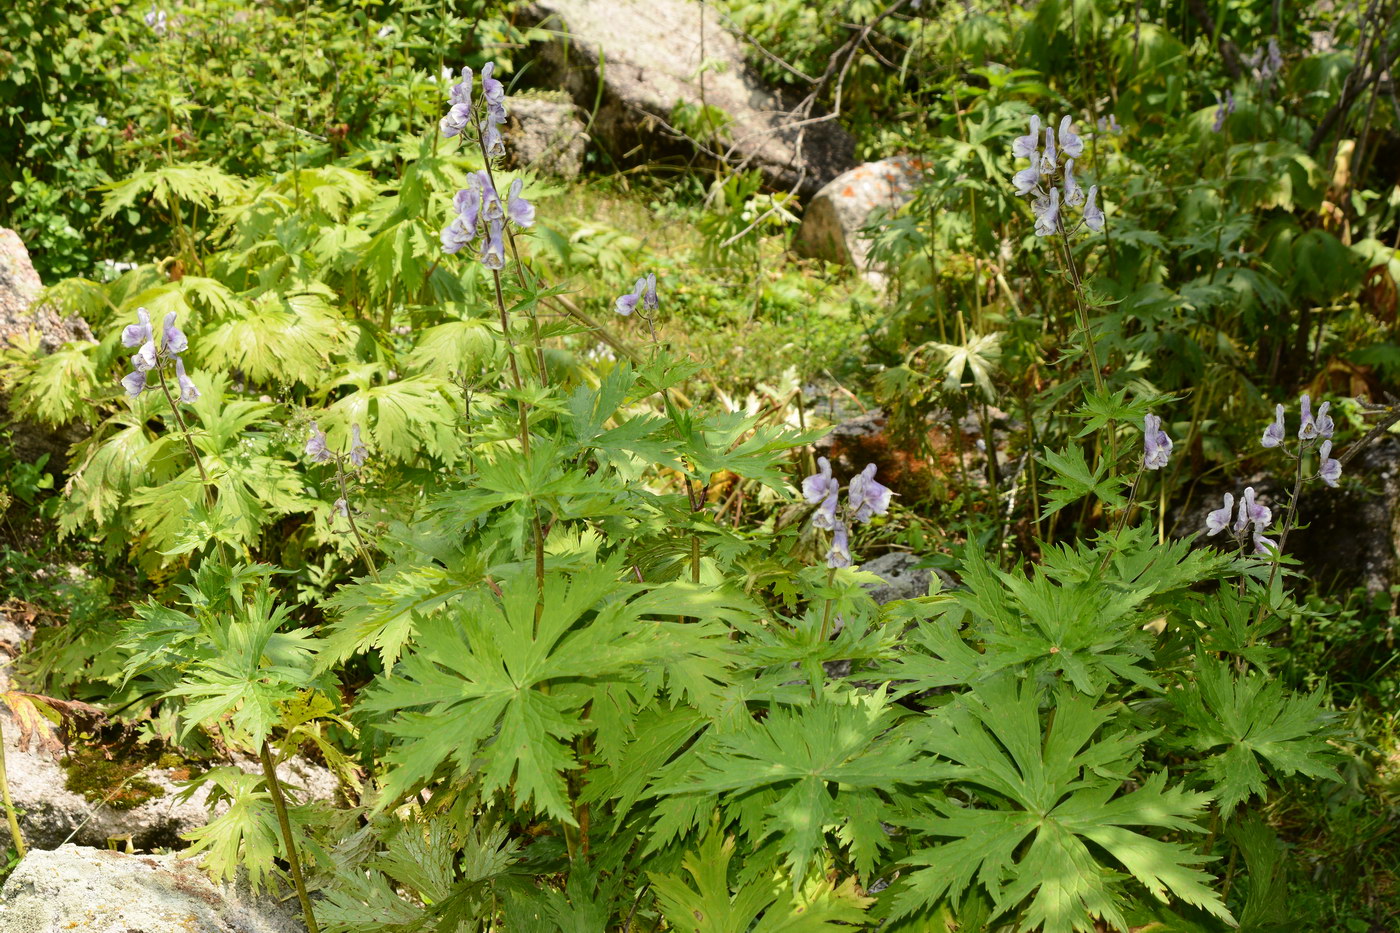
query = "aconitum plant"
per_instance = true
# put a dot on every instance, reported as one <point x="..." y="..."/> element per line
<point x="865" y="498"/>
<point x="1039" y="178"/>
<point x="148" y="359"/>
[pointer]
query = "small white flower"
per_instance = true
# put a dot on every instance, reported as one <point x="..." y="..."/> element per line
<point x="385" y="31"/>
<point x="100" y="120"/>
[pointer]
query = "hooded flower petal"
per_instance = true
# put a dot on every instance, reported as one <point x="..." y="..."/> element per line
<point x="1028" y="146"/>
<point x="1323" y="422"/>
<point x="493" y="248"/>
<point x="1263" y="545"/>
<point x="649" y="300"/>
<point x="133" y="335"/>
<point x="134" y="383"/>
<point x="1026" y="180"/>
<point x="1074" y="194"/>
<point x="173" y="339"/>
<point x="1331" y="469"/>
<point x="1219" y="519"/>
<point x="521" y="211"/>
<point x="1156" y="445"/>
<point x="468" y="205"/>
<point x="491" y="141"/>
<point x="1093" y="217"/>
<point x="358" y="452"/>
<point x="868" y="497"/>
<point x="626" y="304"/>
<point x="316" y="445"/>
<point x="494" y="91"/>
<point x="1251" y="512"/>
<point x="1273" y="434"/>
<point x="146" y="358"/>
<point x="825" y="516"/>
<point x="189" y="392"/>
<point x="1046" y="209"/>
<point x="461" y="92"/>
<point x="1071" y="144"/>
<point x="458" y="118"/>
<point x="1048" y="157"/>
<point x="1307" y="429"/>
<point x="820" y="484"/>
<point x="840" y="554"/>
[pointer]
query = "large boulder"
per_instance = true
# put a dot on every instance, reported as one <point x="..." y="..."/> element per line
<point x="654" y="54"/>
<point x="101" y="891"/>
<point x="903" y="577"/>
<point x="545" y="135"/>
<point x="832" y="223"/>
<point x="20" y="287"/>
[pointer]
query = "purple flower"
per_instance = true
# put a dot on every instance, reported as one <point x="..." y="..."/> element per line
<point x="468" y="205"/>
<point x="1093" y="217"/>
<point x="455" y="236"/>
<point x="1048" y="158"/>
<point x="867" y="497"/>
<point x="1263" y="545"/>
<point x="1027" y="179"/>
<point x="146" y="358"/>
<point x="1070" y="142"/>
<point x="1028" y="146"/>
<point x="1046" y="209"/>
<point x="825" y="516"/>
<point x="459" y="116"/>
<point x="341" y="506"/>
<point x="1219" y="519"/>
<point x="1307" y="430"/>
<point x="649" y="300"/>
<point x="1223" y="109"/>
<point x="316" y="445"/>
<point x="189" y="393"/>
<point x="358" y="452"/>
<point x="134" y="383"/>
<point x="820" y="484"/>
<point x="491" y="142"/>
<point x="1156" y="445"/>
<point x="1331" y="470"/>
<point x="494" y="91"/>
<point x="521" y="211"/>
<point x="1110" y="125"/>
<point x="155" y="19"/>
<point x="490" y="201"/>
<point x="1252" y="512"/>
<point x="173" y="339"/>
<point x="493" y="249"/>
<point x="840" y="554"/>
<point x="1074" y="194"/>
<point x="461" y="92"/>
<point x="1324" y="423"/>
<point x="1273" y="434"/>
<point x="133" y="335"/>
<point x="645" y="292"/>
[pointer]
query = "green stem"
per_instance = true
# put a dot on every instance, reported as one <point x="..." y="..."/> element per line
<point x="279" y="803"/>
<point x="10" y="815"/>
<point x="354" y="528"/>
<point x="194" y="452"/>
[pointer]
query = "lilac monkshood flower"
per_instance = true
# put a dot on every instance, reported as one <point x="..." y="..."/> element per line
<point x="172" y="338"/>
<point x="1093" y="217"/>
<point x="1028" y="146"/>
<point x="1331" y="469"/>
<point x="520" y="211"/>
<point x="840" y="554"/>
<point x="1156" y="446"/>
<point x="189" y="392"/>
<point x="316" y="445"/>
<point x="645" y="292"/>
<point x="1218" y="520"/>
<point x="1046" y="209"/>
<point x="1048" y="158"/>
<point x="825" y="516"/>
<point x="1071" y="144"/>
<point x="456" y="235"/>
<point x="1223" y="109"/>
<point x="134" y="383"/>
<point x="493" y="247"/>
<point x="1027" y="179"/>
<point x="458" y="118"/>
<point x="1110" y="125"/>
<point x="1252" y="512"/>
<point x="867" y="497"/>
<point x="1273" y="434"/>
<point x="1307" y="429"/>
<point x="155" y="19"/>
<point x="1074" y="194"/>
<point x="494" y="91"/>
<point x="358" y="452"/>
<point x="133" y="335"/>
<point x="341" y="506"/>
<point x="821" y="484"/>
<point x="146" y="358"/>
<point x="491" y="208"/>
<point x="1324" y="423"/>
<point x="461" y="92"/>
<point x="492" y="144"/>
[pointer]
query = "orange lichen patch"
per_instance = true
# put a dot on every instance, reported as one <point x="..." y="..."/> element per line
<point x="849" y="192"/>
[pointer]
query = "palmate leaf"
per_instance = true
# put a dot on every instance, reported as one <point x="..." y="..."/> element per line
<point x="277" y="338"/>
<point x="55" y="388"/>
<point x="830" y="762"/>
<point x="704" y="903"/>
<point x="1258" y="725"/>
<point x="1039" y="797"/>
<point x="191" y="182"/>
<point x="404" y="419"/>
<point x="245" y="836"/>
<point x="1073" y="479"/>
<point x="479" y="675"/>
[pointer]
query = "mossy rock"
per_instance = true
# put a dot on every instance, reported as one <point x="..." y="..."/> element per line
<point x="118" y="784"/>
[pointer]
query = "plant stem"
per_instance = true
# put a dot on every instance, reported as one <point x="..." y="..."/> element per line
<point x="279" y="803"/>
<point x="10" y="815"/>
<point x="354" y="528"/>
<point x="194" y="453"/>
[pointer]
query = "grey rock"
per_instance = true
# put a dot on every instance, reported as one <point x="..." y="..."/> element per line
<point x="100" y="891"/>
<point x="832" y="223"/>
<point x="651" y="54"/>
<point x="903" y="580"/>
<point x="1353" y="533"/>
<point x="545" y="135"/>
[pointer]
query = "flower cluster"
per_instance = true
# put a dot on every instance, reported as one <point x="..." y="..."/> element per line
<point x="1311" y="429"/>
<point x="1252" y="520"/>
<point x="1038" y="179"/>
<point x="155" y="20"/>
<point x="644" y="291"/>
<point x="317" y="450"/>
<point x="148" y="359"/>
<point x="865" y="498"/>
<point x="1266" y="63"/>
<point x="1156" y="446"/>
<point x="1223" y="108"/>
<point x="479" y="209"/>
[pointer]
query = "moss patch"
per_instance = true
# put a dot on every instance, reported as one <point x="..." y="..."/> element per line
<point x="95" y="778"/>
